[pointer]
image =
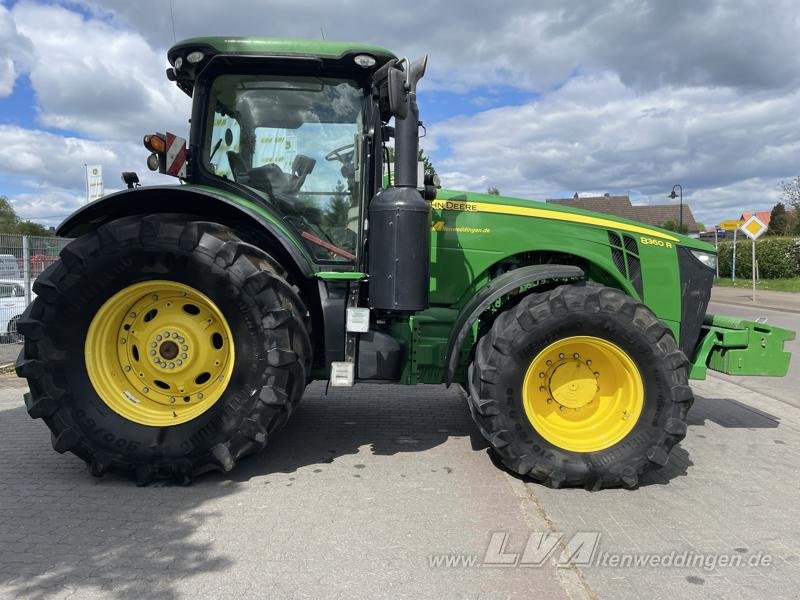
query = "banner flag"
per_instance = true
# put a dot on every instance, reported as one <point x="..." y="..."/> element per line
<point x="94" y="182"/>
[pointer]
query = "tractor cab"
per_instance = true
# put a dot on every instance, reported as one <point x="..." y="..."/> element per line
<point x="300" y="132"/>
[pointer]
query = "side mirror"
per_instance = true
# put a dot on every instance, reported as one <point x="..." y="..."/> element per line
<point x="398" y="99"/>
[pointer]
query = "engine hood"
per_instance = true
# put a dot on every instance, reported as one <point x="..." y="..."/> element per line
<point x="489" y="203"/>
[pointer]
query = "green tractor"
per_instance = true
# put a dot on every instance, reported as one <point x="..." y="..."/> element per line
<point x="177" y="332"/>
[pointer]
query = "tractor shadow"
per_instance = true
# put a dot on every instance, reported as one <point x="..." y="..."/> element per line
<point x="385" y="419"/>
<point x="61" y="529"/>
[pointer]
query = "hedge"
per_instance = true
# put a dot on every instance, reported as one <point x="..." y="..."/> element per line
<point x="777" y="257"/>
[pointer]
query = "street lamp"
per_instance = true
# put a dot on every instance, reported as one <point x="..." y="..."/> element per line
<point x="673" y="195"/>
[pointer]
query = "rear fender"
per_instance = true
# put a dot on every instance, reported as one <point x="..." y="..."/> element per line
<point x="256" y="224"/>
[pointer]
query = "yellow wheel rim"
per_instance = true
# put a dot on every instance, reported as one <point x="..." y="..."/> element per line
<point x="583" y="394"/>
<point x="159" y="353"/>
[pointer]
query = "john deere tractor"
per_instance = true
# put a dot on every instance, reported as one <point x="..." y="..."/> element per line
<point x="177" y="332"/>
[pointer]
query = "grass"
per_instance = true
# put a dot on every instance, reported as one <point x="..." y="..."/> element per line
<point x="777" y="285"/>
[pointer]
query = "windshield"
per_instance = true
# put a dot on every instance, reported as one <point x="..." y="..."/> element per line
<point x="294" y="140"/>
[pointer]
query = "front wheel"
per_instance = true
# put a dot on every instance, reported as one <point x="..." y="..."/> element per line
<point x="580" y="386"/>
<point x="163" y="348"/>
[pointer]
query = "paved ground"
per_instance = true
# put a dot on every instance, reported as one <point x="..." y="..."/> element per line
<point x="9" y="353"/>
<point x="366" y="487"/>
<point x="371" y="492"/>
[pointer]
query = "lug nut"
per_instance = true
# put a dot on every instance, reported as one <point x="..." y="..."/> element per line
<point x="153" y="344"/>
<point x="184" y="355"/>
<point x="541" y="375"/>
<point x="127" y="368"/>
<point x="181" y="340"/>
<point x="158" y="338"/>
<point x="146" y="389"/>
<point x="122" y="341"/>
<point x="152" y="352"/>
<point x="561" y="355"/>
<point x="172" y="399"/>
<point x="166" y="334"/>
<point x="589" y="363"/>
<point x="154" y="297"/>
<point x="175" y="334"/>
<point x="200" y="395"/>
<point x="596" y="374"/>
<point x="576" y="355"/>
<point x="171" y="365"/>
<point x="179" y="362"/>
<point x="549" y="362"/>
<point x="186" y="347"/>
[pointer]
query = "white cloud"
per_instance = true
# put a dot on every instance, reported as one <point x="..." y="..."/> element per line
<point x="534" y="45"/>
<point x="634" y="95"/>
<point x="596" y="133"/>
<point x="15" y="52"/>
<point x="45" y="163"/>
<point x="97" y="79"/>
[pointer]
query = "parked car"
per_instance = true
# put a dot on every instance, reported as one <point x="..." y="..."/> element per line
<point x="12" y="305"/>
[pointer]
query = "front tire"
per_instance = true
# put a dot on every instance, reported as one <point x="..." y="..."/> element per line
<point x="163" y="348"/>
<point x="580" y="386"/>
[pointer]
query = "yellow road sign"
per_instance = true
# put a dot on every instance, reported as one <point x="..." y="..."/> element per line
<point x="730" y="225"/>
<point x="753" y="227"/>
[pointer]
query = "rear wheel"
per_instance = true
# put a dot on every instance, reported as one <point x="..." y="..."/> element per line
<point x="163" y="348"/>
<point x="580" y="386"/>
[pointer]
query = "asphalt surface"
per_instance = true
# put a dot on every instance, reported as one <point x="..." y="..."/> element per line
<point x="389" y="492"/>
<point x="373" y="492"/>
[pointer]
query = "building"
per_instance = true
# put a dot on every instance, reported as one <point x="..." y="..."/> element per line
<point x="620" y="206"/>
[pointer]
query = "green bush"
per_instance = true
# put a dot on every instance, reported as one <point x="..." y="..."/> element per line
<point x="776" y="257"/>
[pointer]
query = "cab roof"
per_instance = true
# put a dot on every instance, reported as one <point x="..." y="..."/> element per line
<point x="331" y="53"/>
<point x="281" y="47"/>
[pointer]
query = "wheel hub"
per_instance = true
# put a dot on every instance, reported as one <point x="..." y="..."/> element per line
<point x="168" y="350"/>
<point x="573" y="384"/>
<point x="583" y="393"/>
<point x="173" y="353"/>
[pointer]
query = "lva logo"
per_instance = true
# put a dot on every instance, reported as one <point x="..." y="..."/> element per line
<point x="579" y="549"/>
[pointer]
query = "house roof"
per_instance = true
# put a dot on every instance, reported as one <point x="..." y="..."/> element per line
<point x="653" y="214"/>
<point x="763" y="215"/>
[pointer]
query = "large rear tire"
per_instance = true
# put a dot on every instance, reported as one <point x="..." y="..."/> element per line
<point x="163" y="348"/>
<point x="580" y="386"/>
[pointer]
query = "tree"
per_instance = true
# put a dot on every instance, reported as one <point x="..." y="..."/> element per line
<point x="11" y="223"/>
<point x="421" y="156"/>
<point x="778" y="220"/>
<point x="493" y="191"/>
<point x="8" y="217"/>
<point x="673" y="226"/>
<point x="337" y="212"/>
<point x="790" y="192"/>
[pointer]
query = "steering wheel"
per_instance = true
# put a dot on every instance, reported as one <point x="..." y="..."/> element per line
<point x="340" y="154"/>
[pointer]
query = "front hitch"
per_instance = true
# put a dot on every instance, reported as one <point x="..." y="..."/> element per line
<point x="740" y="347"/>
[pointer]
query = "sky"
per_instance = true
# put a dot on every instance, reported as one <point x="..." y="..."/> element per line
<point x="539" y="98"/>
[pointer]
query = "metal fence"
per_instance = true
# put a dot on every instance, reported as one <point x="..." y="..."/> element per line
<point x="22" y="259"/>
